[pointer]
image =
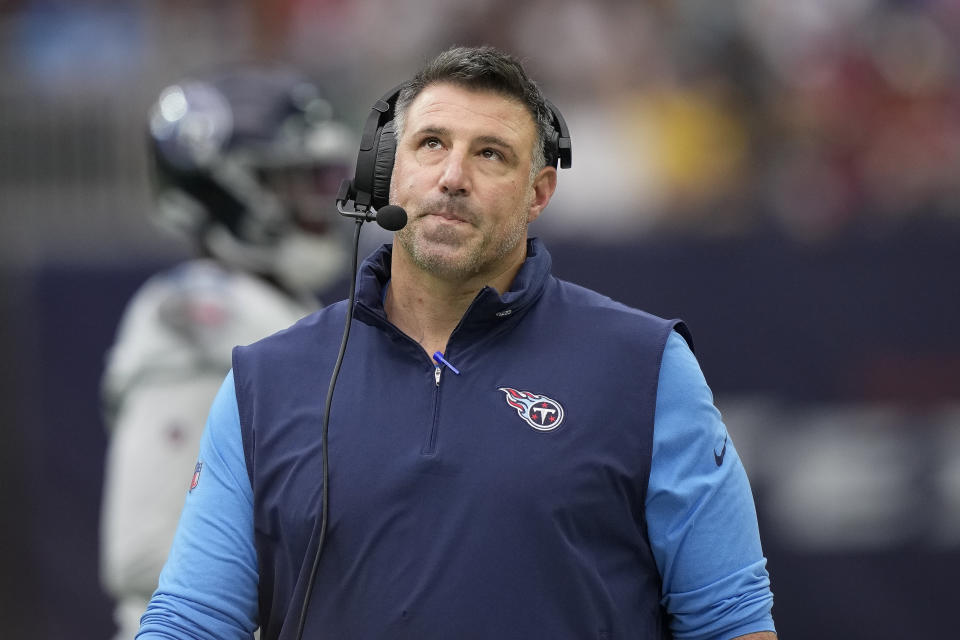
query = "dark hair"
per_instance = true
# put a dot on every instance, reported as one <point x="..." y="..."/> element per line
<point x="487" y="69"/>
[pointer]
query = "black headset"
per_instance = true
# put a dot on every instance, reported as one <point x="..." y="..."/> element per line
<point x="370" y="186"/>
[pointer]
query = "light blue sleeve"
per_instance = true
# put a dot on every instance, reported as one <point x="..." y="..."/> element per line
<point x="701" y="520"/>
<point x="208" y="587"/>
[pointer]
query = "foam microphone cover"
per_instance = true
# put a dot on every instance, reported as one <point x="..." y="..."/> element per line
<point x="391" y="217"/>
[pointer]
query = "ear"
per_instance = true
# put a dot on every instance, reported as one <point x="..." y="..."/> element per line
<point x="543" y="187"/>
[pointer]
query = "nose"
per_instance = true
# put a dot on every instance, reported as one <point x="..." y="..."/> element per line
<point x="454" y="180"/>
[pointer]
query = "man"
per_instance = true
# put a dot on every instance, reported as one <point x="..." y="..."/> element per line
<point x="511" y="456"/>
<point x="245" y="161"/>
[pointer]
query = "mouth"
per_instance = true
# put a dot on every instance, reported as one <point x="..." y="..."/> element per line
<point x="449" y="216"/>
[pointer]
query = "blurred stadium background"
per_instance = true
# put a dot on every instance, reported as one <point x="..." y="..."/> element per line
<point x="783" y="174"/>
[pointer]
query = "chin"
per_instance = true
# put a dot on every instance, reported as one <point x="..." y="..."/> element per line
<point x="444" y="261"/>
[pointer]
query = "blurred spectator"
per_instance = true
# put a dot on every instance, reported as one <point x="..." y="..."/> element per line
<point x="809" y="118"/>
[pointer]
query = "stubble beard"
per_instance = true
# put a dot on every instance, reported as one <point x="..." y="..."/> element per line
<point x="444" y="252"/>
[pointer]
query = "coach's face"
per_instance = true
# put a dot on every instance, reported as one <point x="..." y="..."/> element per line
<point x="463" y="173"/>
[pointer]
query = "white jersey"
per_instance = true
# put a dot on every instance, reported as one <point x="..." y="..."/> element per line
<point x="172" y="351"/>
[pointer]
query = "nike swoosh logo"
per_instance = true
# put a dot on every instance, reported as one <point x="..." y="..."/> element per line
<point x="718" y="457"/>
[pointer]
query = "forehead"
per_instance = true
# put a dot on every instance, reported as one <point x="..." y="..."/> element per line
<point x="471" y="112"/>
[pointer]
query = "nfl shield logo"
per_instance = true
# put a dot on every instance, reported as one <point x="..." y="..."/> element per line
<point x="196" y="476"/>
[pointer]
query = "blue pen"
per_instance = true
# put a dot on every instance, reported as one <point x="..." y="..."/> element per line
<point x="438" y="356"/>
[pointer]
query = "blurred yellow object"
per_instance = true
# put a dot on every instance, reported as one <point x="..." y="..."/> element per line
<point x="698" y="146"/>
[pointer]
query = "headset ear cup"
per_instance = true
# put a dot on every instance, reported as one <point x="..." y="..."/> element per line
<point x="386" y="149"/>
<point x="552" y="151"/>
<point x="559" y="143"/>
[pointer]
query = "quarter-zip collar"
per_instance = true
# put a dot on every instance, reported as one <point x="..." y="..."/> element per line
<point x="488" y="310"/>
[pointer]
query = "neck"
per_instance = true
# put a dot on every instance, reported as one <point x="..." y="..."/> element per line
<point x="428" y="308"/>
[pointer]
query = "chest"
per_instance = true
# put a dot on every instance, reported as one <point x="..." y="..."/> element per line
<point x="545" y="436"/>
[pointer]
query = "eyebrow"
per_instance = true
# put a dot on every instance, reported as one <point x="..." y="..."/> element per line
<point x="487" y="139"/>
<point x="495" y="140"/>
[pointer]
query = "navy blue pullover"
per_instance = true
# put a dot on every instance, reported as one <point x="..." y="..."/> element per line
<point x="506" y="501"/>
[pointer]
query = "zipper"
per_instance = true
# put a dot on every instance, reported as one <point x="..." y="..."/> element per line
<point x="430" y="448"/>
<point x="440" y="362"/>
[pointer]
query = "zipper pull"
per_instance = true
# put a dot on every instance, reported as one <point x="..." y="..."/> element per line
<point x="436" y="375"/>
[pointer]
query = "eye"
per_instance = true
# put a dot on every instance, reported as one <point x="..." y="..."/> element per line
<point x="431" y="143"/>
<point x="491" y="154"/>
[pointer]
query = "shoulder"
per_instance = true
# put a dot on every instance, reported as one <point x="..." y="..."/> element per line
<point x="189" y="317"/>
<point x="608" y="314"/>
<point x="159" y="323"/>
<point x="189" y="297"/>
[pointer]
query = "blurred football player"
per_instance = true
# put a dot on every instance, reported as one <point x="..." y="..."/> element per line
<point x="246" y="164"/>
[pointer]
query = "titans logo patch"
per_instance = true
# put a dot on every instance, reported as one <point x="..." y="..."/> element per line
<point x="540" y="412"/>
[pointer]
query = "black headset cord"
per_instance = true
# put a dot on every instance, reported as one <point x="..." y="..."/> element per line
<point x="325" y="495"/>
